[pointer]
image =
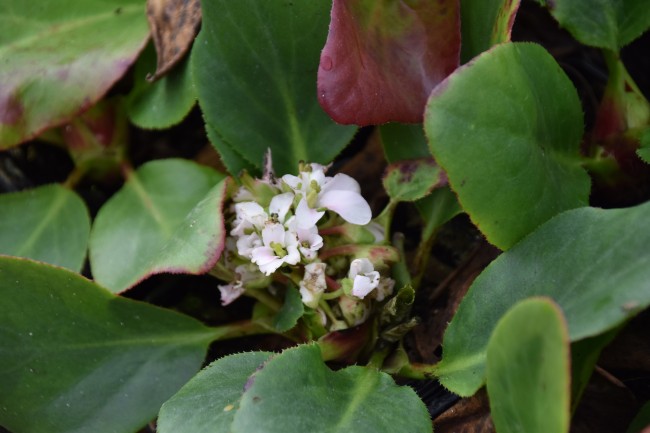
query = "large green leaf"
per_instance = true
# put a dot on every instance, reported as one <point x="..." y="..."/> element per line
<point x="208" y="402"/>
<point x="255" y="67"/>
<point x="49" y="224"/>
<point x="484" y="24"/>
<point x="528" y="378"/>
<point x="608" y="24"/>
<point x="57" y="58"/>
<point x="507" y="128"/>
<point x="166" y="218"/>
<point x="164" y="102"/>
<point x="594" y="263"/>
<point x="355" y="399"/>
<point x="74" y="358"/>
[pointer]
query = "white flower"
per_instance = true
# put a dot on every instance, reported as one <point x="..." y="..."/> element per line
<point x="340" y="194"/>
<point x="248" y="216"/>
<point x="313" y="284"/>
<point x="309" y="241"/>
<point x="232" y="291"/>
<point x="279" y="247"/>
<point x="365" y="278"/>
<point x="247" y="243"/>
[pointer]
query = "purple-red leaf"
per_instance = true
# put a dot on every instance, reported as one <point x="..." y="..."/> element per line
<point x="382" y="58"/>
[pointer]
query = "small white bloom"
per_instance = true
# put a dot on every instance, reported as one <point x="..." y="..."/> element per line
<point x="280" y="205"/>
<point x="365" y="278"/>
<point x="313" y="284"/>
<point x="309" y="241"/>
<point x="230" y="292"/>
<point x="305" y="216"/>
<point x="247" y="243"/>
<point x="248" y="215"/>
<point x="340" y="194"/>
<point x="279" y="247"/>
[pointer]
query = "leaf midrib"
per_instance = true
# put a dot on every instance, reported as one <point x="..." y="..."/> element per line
<point x="67" y="27"/>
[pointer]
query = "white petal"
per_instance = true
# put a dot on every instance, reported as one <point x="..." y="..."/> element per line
<point x="365" y="284"/>
<point x="280" y="205"/>
<point x="273" y="233"/>
<point x="292" y="181"/>
<point x="293" y="255"/>
<point x="360" y="266"/>
<point x="230" y="292"/>
<point x="342" y="182"/>
<point x="265" y="258"/>
<point x="307" y="218"/>
<point x="246" y="244"/>
<point x="350" y="205"/>
<point x="251" y="212"/>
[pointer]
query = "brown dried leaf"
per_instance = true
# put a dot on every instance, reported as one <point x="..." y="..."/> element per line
<point x="174" y="24"/>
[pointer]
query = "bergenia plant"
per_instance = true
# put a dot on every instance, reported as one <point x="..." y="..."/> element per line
<point x="324" y="216"/>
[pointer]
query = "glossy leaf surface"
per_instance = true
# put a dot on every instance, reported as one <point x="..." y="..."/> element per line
<point x="412" y="179"/>
<point x="355" y="399"/>
<point x="292" y="310"/>
<point x="166" y="218"/>
<point x="48" y="224"/>
<point x="255" y="68"/>
<point x="57" y="59"/>
<point x="506" y="129"/>
<point x="208" y="402"/>
<point x="608" y="24"/>
<point x="74" y="358"/>
<point x="593" y="263"/>
<point x="528" y="373"/>
<point x="401" y="50"/>
<point x="165" y="102"/>
<point x="485" y="23"/>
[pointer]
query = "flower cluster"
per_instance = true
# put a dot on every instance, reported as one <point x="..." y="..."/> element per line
<point x="277" y="228"/>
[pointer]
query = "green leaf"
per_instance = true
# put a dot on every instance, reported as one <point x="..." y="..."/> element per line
<point x="528" y="380"/>
<point x="49" y="224"/>
<point x="74" y="358"/>
<point x="608" y="24"/>
<point x="292" y="310"/>
<point x="164" y="102"/>
<point x="402" y="141"/>
<point x="208" y="402"/>
<point x="485" y="23"/>
<point x="506" y="129"/>
<point x="413" y="179"/>
<point x="644" y="147"/>
<point x="58" y="58"/>
<point x="166" y="218"/>
<point x="641" y="421"/>
<point x="594" y="263"/>
<point x="584" y="356"/>
<point x="255" y="65"/>
<point x="234" y="162"/>
<point x="355" y="399"/>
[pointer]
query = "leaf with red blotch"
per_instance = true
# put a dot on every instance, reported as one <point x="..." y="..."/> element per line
<point x="59" y="58"/>
<point x="382" y="58"/>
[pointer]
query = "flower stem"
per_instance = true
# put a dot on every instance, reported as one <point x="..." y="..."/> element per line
<point x="237" y="329"/>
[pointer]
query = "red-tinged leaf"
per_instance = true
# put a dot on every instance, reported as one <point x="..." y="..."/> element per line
<point x="58" y="58"/>
<point x="382" y="58"/>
